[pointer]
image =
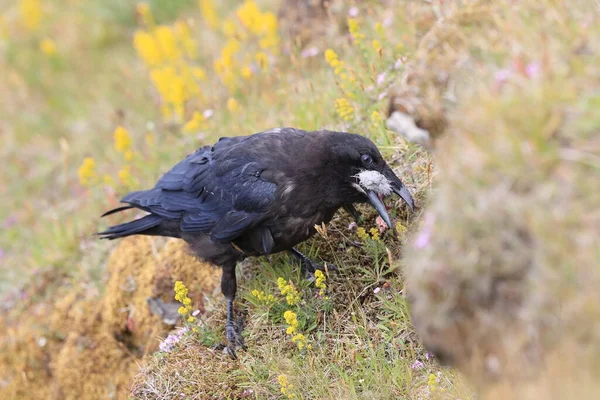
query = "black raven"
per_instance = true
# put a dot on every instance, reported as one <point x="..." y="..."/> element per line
<point x="260" y="194"/>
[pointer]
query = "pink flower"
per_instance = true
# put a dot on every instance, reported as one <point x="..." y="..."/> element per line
<point x="376" y="290"/>
<point x="310" y="52"/>
<point x="417" y="365"/>
<point x="352" y="226"/>
<point x="424" y="235"/>
<point x="353" y="12"/>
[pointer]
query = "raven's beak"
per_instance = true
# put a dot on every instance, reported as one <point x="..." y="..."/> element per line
<point x="399" y="188"/>
<point x="379" y="206"/>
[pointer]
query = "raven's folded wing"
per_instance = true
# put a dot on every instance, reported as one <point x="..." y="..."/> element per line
<point x="212" y="191"/>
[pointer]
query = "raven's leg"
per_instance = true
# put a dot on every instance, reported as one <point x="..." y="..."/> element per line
<point x="233" y="329"/>
<point x="308" y="266"/>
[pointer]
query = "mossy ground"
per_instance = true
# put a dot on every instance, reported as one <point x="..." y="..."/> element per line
<point x="509" y="94"/>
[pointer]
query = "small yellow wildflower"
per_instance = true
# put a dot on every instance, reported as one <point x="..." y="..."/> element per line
<point x="143" y="9"/>
<point x="354" y="29"/>
<point x="181" y="295"/>
<point x="48" y="47"/>
<point x="376" y="45"/>
<point x="197" y="123"/>
<point x="376" y="118"/>
<point x="87" y="171"/>
<point x="128" y="155"/>
<point x="232" y="104"/>
<point x="400" y="229"/>
<point x="263" y="298"/>
<point x="229" y="28"/>
<point x="122" y="140"/>
<point x="379" y="29"/>
<point x="300" y="341"/>
<point x="344" y="109"/>
<point x="432" y="383"/>
<point x="289" y="291"/>
<point x="199" y="73"/>
<point x="124" y="175"/>
<point x="362" y="233"/>
<point x="246" y="72"/>
<point x="374" y="233"/>
<point x="108" y="180"/>
<point x="166" y="40"/>
<point x="287" y="389"/>
<point x="209" y="13"/>
<point x="31" y="13"/>
<point x="183" y="34"/>
<point x="147" y="48"/>
<point x="320" y="280"/>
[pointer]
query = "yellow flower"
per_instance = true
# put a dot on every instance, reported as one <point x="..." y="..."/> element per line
<point x="184" y="36"/>
<point x="229" y="28"/>
<point x="166" y="40"/>
<point x="286" y="388"/>
<point x="48" y="47"/>
<point x="289" y="291"/>
<point x="232" y="104"/>
<point x="376" y="118"/>
<point x="354" y="29"/>
<point x="376" y="45"/>
<point x="108" y="180"/>
<point x="199" y="73"/>
<point x="31" y="13"/>
<point x="320" y="280"/>
<point x="330" y="56"/>
<point x="147" y="48"/>
<point x="374" y="233"/>
<point x="198" y="122"/>
<point x="181" y="295"/>
<point x="291" y="318"/>
<point x="125" y="175"/>
<point x="87" y="171"/>
<point x="344" y="109"/>
<point x="128" y="155"/>
<point x="263" y="298"/>
<point x="143" y="9"/>
<point x="122" y="140"/>
<point x="209" y="13"/>
<point x="379" y="29"/>
<point x="246" y="72"/>
<point x="362" y="233"/>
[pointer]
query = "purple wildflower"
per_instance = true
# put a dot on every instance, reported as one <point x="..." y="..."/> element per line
<point x="417" y="365"/>
<point x="169" y="343"/>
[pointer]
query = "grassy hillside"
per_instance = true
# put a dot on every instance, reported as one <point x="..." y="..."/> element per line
<point x="101" y="97"/>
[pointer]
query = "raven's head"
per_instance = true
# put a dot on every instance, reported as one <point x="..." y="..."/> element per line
<point x="364" y="174"/>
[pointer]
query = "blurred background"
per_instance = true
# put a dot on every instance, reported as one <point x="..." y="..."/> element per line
<point x="487" y="110"/>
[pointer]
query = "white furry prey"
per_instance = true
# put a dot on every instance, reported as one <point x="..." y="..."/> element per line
<point x="375" y="181"/>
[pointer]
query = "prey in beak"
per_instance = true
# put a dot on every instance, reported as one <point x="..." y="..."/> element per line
<point x="376" y="185"/>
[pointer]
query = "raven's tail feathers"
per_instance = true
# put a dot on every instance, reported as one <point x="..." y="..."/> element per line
<point x="138" y="226"/>
<point x="116" y="210"/>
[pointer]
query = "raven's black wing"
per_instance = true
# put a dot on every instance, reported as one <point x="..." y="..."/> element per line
<point x="220" y="191"/>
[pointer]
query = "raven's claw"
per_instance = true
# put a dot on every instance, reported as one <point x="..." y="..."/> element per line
<point x="235" y="340"/>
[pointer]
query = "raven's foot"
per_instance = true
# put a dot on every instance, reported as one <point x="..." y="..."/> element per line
<point x="235" y="340"/>
<point x="308" y="268"/>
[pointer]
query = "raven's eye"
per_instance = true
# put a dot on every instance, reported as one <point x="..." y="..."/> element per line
<point x="366" y="159"/>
